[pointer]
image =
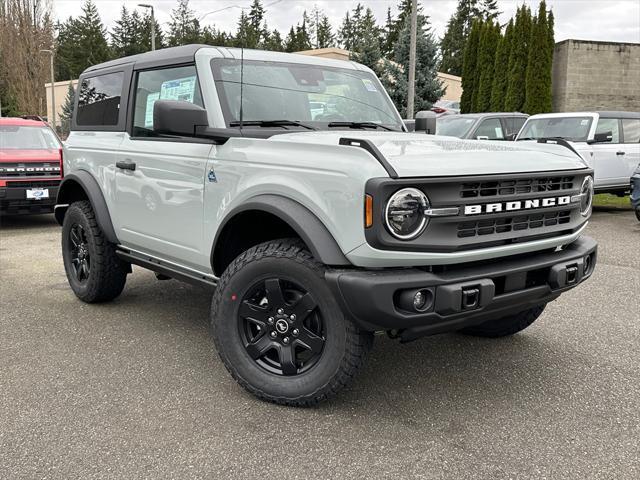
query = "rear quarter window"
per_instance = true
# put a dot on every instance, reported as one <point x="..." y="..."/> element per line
<point x="631" y="130"/>
<point x="99" y="100"/>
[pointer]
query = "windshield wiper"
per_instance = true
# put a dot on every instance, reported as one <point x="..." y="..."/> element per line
<point x="361" y="125"/>
<point x="271" y="123"/>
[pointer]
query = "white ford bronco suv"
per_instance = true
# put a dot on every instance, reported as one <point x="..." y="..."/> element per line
<point x="291" y="184"/>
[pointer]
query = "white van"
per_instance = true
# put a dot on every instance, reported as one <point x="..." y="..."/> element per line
<point x="608" y="141"/>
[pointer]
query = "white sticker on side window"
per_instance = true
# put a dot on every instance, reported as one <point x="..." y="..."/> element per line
<point x="179" y="89"/>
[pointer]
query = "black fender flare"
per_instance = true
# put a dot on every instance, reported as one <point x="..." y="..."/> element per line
<point x="92" y="190"/>
<point x="304" y="222"/>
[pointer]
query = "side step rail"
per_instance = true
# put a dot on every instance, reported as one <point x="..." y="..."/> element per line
<point x="166" y="268"/>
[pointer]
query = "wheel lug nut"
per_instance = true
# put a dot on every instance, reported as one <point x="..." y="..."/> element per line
<point x="285" y="340"/>
<point x="270" y="320"/>
<point x="280" y="311"/>
<point x="295" y="332"/>
<point x="273" y="334"/>
<point x="293" y="317"/>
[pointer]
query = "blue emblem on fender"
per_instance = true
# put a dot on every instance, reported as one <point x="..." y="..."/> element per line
<point x="212" y="176"/>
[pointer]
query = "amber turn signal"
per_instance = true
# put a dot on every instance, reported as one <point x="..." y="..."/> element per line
<point x="368" y="211"/>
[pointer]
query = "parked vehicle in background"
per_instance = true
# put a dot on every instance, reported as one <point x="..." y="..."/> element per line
<point x="482" y="126"/>
<point x="30" y="166"/>
<point x="608" y="141"/>
<point x="446" y="107"/>
<point x="635" y="191"/>
<point x="315" y="231"/>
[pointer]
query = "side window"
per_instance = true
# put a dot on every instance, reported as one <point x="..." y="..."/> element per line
<point x="177" y="83"/>
<point x="490" y="129"/>
<point x="609" y="125"/>
<point x="99" y="100"/>
<point x="631" y="130"/>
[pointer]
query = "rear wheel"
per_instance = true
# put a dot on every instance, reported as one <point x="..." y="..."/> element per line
<point x="94" y="271"/>
<point x="638" y="213"/>
<point x="278" y="329"/>
<point x="506" y="326"/>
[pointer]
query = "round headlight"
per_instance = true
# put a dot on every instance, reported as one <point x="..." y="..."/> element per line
<point x="586" y="196"/>
<point x="404" y="214"/>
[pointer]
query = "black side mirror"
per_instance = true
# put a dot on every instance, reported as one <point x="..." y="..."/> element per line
<point x="174" y="117"/>
<point x="603" y="137"/>
<point x="426" y="122"/>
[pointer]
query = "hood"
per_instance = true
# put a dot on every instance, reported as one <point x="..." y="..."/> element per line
<point x="420" y="155"/>
<point x="15" y="155"/>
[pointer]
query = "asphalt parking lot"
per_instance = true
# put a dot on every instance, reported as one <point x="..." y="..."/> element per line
<point x="134" y="389"/>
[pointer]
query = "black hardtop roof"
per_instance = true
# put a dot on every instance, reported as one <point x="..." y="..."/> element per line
<point x="156" y="58"/>
<point x="613" y="114"/>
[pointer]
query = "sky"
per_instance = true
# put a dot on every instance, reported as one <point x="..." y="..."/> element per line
<point x="605" y="20"/>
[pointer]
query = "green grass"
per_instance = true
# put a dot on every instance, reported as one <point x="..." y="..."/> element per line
<point x="608" y="200"/>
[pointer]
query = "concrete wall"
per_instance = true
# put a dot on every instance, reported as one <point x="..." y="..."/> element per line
<point x="589" y="75"/>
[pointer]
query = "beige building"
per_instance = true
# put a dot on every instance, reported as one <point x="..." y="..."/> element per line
<point x="61" y="89"/>
<point x="590" y="75"/>
<point x="452" y="83"/>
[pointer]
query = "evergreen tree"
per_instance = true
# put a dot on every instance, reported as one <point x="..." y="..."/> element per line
<point x="538" y="74"/>
<point x="501" y="68"/>
<point x="325" y="36"/>
<point x="518" y="59"/>
<point x="216" y="37"/>
<point x="469" y="70"/>
<point x="242" y="33"/>
<point x="298" y="38"/>
<point x="366" y="47"/>
<point x="273" y="42"/>
<point x="428" y="88"/>
<point x="253" y="34"/>
<point x="346" y="35"/>
<point x="184" y="27"/>
<point x="81" y="43"/>
<point x="487" y="47"/>
<point x="488" y="9"/>
<point x="127" y="36"/>
<point x="145" y="34"/>
<point x="387" y="45"/>
<point x="67" y="109"/>
<point x="455" y="37"/>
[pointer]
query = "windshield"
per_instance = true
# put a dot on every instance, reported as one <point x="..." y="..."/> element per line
<point x="21" y="137"/>
<point x="454" y="126"/>
<point x="575" y="129"/>
<point x="312" y="94"/>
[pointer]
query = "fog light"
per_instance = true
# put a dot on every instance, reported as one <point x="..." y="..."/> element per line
<point x="419" y="300"/>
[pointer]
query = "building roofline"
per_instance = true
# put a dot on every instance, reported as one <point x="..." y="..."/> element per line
<point x="597" y="42"/>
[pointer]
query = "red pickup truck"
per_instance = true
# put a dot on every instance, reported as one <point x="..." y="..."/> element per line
<point x="30" y="166"/>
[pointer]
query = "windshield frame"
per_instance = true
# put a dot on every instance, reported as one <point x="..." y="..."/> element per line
<point x="530" y="120"/>
<point x="215" y="64"/>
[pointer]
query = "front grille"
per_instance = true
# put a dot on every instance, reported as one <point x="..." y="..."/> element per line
<point x="29" y="169"/>
<point x="513" y="224"/>
<point x="515" y="186"/>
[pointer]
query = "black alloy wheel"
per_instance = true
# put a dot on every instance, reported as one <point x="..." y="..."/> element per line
<point x="281" y="326"/>
<point x="80" y="257"/>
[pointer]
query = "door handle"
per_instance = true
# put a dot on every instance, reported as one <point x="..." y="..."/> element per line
<point x="620" y="153"/>
<point x="126" y="165"/>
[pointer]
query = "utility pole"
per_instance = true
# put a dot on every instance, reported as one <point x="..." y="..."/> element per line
<point x="153" y="24"/>
<point x="53" y="92"/>
<point x="412" y="60"/>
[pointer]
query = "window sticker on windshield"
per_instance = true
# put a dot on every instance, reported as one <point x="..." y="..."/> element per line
<point x="369" y="85"/>
<point x="584" y="122"/>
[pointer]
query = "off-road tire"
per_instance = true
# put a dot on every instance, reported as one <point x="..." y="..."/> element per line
<point x="107" y="273"/>
<point x="345" y="348"/>
<point x="506" y="326"/>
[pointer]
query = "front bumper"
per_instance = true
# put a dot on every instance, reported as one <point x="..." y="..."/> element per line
<point x="372" y="298"/>
<point x="14" y="201"/>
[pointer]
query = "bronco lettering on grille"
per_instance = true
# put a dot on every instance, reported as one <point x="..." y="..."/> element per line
<point x="516" y="205"/>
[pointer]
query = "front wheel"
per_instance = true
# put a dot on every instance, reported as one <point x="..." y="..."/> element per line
<point x="278" y="329"/>
<point x="94" y="271"/>
<point x="505" y="326"/>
